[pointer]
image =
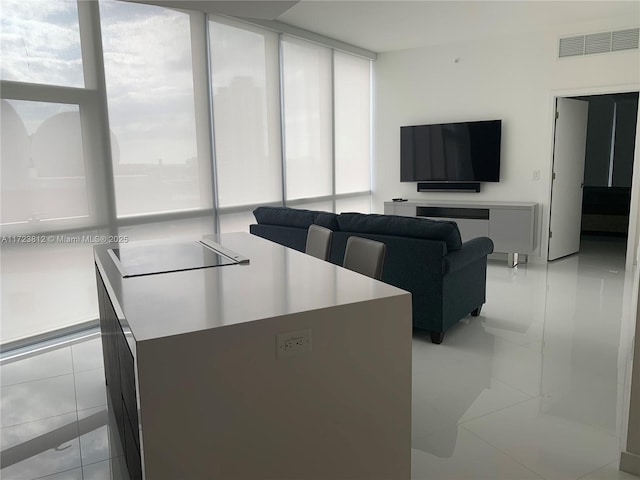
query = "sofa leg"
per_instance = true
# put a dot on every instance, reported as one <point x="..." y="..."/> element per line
<point x="436" y="337"/>
<point x="476" y="312"/>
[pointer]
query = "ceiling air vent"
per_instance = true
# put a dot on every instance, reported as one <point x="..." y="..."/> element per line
<point x="571" y="46"/>
<point x="603" y="42"/>
<point x="597" y="43"/>
<point x="625" y="39"/>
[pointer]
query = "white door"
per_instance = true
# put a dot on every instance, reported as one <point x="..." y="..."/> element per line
<point x="568" y="177"/>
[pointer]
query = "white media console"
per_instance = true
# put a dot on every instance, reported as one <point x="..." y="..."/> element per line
<point x="511" y="225"/>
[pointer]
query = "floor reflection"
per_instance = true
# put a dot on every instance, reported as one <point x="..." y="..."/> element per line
<point x="55" y="418"/>
<point x="532" y="388"/>
<point x="582" y="333"/>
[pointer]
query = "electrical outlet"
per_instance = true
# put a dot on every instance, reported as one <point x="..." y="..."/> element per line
<point x="293" y="343"/>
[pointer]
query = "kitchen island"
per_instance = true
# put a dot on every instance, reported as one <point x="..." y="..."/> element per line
<point x="273" y="365"/>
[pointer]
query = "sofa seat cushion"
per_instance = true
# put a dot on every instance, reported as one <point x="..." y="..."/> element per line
<point x="285" y="217"/>
<point x="422" y="228"/>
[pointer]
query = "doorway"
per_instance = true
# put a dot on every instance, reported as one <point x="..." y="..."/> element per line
<point x="591" y="192"/>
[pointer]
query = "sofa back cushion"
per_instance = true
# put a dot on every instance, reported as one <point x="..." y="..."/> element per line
<point x="285" y="217"/>
<point x="291" y="237"/>
<point x="327" y="220"/>
<point x="422" y="228"/>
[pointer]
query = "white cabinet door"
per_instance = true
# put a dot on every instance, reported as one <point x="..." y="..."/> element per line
<point x="511" y="229"/>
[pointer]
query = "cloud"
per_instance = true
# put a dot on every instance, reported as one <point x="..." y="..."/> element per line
<point x="40" y="42"/>
<point x="148" y="69"/>
<point x="147" y="49"/>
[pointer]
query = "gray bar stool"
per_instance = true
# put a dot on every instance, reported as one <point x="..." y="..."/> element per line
<point x="318" y="242"/>
<point x="365" y="256"/>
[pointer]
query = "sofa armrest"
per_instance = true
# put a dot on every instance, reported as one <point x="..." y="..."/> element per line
<point x="471" y="250"/>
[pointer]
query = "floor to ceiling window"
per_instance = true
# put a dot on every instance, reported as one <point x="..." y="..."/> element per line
<point x="47" y="172"/>
<point x="158" y="118"/>
<point x="144" y="122"/>
<point x="352" y="112"/>
<point x="292" y="130"/>
<point x="150" y="92"/>
<point x="308" y="119"/>
<point x="246" y="112"/>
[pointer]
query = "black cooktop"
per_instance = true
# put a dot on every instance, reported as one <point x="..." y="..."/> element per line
<point x="133" y="261"/>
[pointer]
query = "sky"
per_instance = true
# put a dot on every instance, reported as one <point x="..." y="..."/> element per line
<point x="40" y="42"/>
<point x="147" y="56"/>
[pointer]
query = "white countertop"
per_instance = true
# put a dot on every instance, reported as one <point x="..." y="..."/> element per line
<point x="278" y="281"/>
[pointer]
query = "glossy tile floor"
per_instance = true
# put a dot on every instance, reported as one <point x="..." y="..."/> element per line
<point x="54" y="416"/>
<point x="533" y="388"/>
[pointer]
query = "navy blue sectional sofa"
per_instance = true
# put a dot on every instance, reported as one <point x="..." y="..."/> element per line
<point x="446" y="277"/>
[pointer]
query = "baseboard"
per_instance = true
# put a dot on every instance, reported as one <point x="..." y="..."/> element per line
<point x="630" y="463"/>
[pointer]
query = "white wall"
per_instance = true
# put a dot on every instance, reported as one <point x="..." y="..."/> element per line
<point x="630" y="457"/>
<point x="512" y="78"/>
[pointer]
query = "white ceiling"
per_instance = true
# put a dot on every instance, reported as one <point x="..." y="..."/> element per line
<point x="251" y="9"/>
<point x="386" y="25"/>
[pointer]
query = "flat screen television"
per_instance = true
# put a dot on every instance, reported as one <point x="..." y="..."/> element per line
<point x="451" y="152"/>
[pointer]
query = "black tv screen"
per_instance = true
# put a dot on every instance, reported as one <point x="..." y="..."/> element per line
<point x="451" y="152"/>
